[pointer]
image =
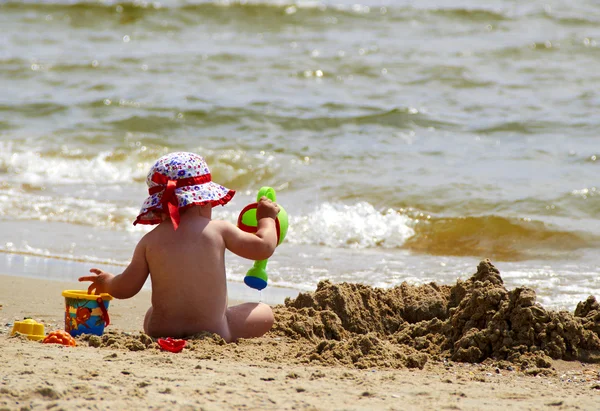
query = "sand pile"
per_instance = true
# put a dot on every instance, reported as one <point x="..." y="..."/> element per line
<point x="471" y="321"/>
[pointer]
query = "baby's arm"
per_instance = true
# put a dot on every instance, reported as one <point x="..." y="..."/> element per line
<point x="125" y="285"/>
<point x="261" y="245"/>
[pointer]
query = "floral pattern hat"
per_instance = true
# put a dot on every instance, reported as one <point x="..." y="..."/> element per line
<point x="178" y="181"/>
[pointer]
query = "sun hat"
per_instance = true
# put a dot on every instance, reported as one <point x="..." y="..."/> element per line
<point x="178" y="181"/>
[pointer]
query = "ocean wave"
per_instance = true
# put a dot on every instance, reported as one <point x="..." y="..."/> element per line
<point x="143" y="123"/>
<point x="569" y="47"/>
<point x="272" y="13"/>
<point x="533" y="126"/>
<point x="456" y="76"/>
<point x="500" y="238"/>
<point x="566" y="17"/>
<point x="470" y="14"/>
<point x="576" y="21"/>
<point x="135" y="117"/>
<point x="104" y="188"/>
<point x="362" y="226"/>
<point x="285" y="13"/>
<point x="400" y="118"/>
<point x="331" y="225"/>
<point x="42" y="168"/>
<point x="350" y="226"/>
<point x="66" y="165"/>
<point x="35" y="206"/>
<point x="39" y="109"/>
<point x="328" y="224"/>
<point x="224" y="12"/>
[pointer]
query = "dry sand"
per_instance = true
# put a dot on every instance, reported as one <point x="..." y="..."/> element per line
<point x="473" y="345"/>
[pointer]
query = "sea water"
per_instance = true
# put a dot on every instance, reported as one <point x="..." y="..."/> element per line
<point x="407" y="140"/>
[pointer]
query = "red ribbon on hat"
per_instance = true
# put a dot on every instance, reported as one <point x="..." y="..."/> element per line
<point x="170" y="203"/>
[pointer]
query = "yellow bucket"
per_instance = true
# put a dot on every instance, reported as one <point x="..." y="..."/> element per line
<point x="86" y="313"/>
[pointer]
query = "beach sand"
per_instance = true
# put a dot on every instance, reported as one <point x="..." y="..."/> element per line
<point x="342" y="347"/>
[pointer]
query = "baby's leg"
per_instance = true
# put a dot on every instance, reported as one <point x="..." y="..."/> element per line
<point x="147" y="319"/>
<point x="249" y="320"/>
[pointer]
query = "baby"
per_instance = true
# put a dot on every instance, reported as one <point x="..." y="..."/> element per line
<point x="185" y="255"/>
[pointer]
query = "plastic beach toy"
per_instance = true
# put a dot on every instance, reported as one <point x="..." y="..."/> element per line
<point x="31" y="328"/>
<point x="257" y="277"/>
<point x="171" y="344"/>
<point x="86" y="313"/>
<point x="60" y="337"/>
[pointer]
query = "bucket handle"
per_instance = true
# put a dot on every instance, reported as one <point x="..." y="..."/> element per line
<point x="105" y="316"/>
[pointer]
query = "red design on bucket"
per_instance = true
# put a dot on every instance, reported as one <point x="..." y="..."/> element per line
<point x="105" y="316"/>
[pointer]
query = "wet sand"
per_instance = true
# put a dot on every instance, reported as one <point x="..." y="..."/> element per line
<point x="344" y="346"/>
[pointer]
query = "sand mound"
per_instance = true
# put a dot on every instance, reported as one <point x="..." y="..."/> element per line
<point x="471" y="321"/>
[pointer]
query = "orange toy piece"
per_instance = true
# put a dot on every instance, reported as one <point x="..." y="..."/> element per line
<point x="60" y="337"/>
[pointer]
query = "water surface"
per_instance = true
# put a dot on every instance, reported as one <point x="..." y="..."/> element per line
<point x="406" y="141"/>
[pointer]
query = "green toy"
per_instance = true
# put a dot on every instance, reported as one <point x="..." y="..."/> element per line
<point x="257" y="277"/>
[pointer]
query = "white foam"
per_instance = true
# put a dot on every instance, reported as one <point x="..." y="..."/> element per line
<point x="17" y="205"/>
<point x="35" y="170"/>
<point x="350" y="226"/>
<point x="115" y="168"/>
<point x="555" y="289"/>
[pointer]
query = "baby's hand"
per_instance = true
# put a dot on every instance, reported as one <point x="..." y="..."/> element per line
<point x="266" y="209"/>
<point x="100" y="281"/>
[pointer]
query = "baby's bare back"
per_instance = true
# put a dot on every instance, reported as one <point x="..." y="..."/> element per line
<point x="187" y="268"/>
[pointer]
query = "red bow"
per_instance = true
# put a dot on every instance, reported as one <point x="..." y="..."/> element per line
<point x="170" y="203"/>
